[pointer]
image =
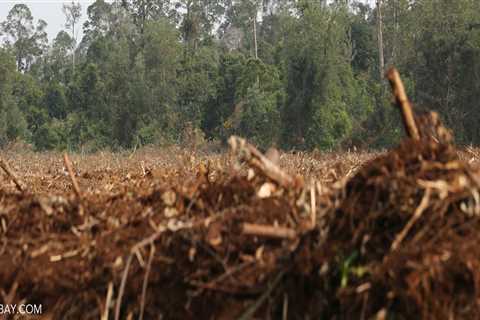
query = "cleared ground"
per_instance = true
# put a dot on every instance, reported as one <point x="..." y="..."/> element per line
<point x="178" y="234"/>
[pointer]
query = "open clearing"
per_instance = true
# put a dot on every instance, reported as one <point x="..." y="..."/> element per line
<point x="176" y="234"/>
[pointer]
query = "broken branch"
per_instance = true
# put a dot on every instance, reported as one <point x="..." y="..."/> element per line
<point x="256" y="159"/>
<point x="250" y="311"/>
<point x="12" y="176"/>
<point x="268" y="231"/>
<point x="68" y="165"/>
<point x="108" y="301"/>
<point x="416" y="215"/>
<point x="145" y="281"/>
<point x="403" y="103"/>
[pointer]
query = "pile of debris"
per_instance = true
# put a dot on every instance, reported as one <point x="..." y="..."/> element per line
<point x="397" y="240"/>
<point x="402" y="240"/>
<point x="206" y="249"/>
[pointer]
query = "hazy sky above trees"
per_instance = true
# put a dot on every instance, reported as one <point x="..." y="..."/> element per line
<point x="51" y="12"/>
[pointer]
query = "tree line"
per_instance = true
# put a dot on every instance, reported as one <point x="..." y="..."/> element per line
<point x="291" y="73"/>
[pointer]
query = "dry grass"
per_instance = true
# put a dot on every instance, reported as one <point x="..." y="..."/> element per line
<point x="44" y="172"/>
<point x="192" y="235"/>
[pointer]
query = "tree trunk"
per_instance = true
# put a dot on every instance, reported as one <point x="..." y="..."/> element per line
<point x="255" y="35"/>
<point x="74" y="47"/>
<point x="381" y="59"/>
<point x="395" y="32"/>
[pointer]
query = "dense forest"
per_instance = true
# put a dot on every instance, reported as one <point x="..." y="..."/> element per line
<point x="291" y="73"/>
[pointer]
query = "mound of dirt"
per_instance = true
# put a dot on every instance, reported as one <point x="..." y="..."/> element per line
<point x="206" y="249"/>
<point x="403" y="239"/>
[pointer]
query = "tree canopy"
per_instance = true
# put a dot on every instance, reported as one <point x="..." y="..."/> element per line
<point x="296" y="74"/>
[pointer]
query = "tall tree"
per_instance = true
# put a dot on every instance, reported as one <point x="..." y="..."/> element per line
<point x="243" y="15"/>
<point x="56" y="64"/>
<point x="143" y="11"/>
<point x="27" y="41"/>
<point x="199" y="19"/>
<point x="73" y="13"/>
<point x="12" y="121"/>
<point x="381" y="58"/>
<point x="324" y="99"/>
<point x="445" y="65"/>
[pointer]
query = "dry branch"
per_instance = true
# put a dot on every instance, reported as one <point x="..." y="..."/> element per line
<point x="229" y="273"/>
<point x="403" y="103"/>
<point x="147" y="241"/>
<point x="313" y="206"/>
<point x="268" y="231"/>
<point x="250" y="311"/>
<point x="416" y="215"/>
<point x="9" y="298"/>
<point x="12" y="176"/>
<point x="68" y="165"/>
<point x="145" y="281"/>
<point x="256" y="159"/>
<point x="123" y="283"/>
<point x="285" y="307"/>
<point x="475" y="154"/>
<point x="108" y="301"/>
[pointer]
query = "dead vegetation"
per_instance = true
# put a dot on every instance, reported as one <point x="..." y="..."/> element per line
<point x="177" y="235"/>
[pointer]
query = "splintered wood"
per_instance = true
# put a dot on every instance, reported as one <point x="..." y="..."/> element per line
<point x="12" y="176"/>
<point x="403" y="103"/>
<point x="268" y="231"/>
<point x="68" y="165"/>
<point x="256" y="159"/>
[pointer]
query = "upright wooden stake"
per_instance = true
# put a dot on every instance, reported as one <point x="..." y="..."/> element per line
<point x="403" y="103"/>
<point x="76" y="188"/>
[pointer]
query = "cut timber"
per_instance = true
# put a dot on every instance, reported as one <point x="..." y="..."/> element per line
<point x="12" y="176"/>
<point x="403" y="103"/>
<point x="268" y="231"/>
<point x="256" y="159"/>
<point x="68" y="164"/>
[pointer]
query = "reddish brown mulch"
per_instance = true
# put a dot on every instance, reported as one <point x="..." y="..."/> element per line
<point x="395" y="239"/>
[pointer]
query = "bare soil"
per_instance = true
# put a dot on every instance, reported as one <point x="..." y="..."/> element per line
<point x="174" y="234"/>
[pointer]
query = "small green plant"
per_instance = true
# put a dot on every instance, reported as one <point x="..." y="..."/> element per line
<point x="347" y="269"/>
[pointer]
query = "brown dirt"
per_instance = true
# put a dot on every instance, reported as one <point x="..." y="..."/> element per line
<point x="175" y="220"/>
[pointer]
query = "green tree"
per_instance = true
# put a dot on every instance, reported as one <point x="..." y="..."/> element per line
<point x="73" y="13"/>
<point x="12" y="121"/>
<point x="57" y="61"/>
<point x="250" y="97"/>
<point x="26" y="40"/>
<point x="55" y="101"/>
<point x="198" y="20"/>
<point x="197" y="87"/>
<point x="324" y="99"/>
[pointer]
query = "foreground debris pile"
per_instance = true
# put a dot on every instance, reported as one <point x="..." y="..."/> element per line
<point x="208" y="247"/>
<point x="405" y="236"/>
<point x="397" y="238"/>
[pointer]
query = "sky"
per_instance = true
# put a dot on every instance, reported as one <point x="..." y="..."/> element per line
<point x="51" y="12"/>
<point x="48" y="10"/>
